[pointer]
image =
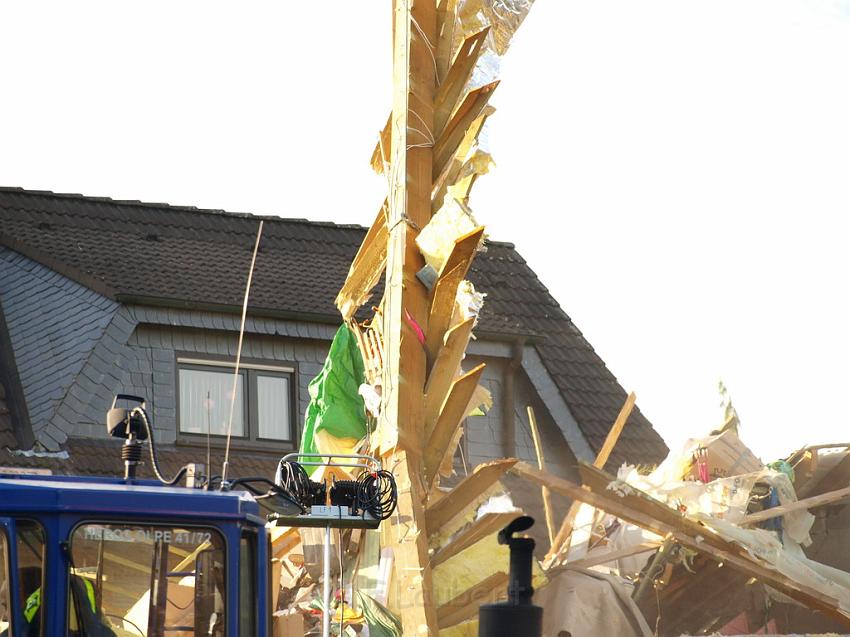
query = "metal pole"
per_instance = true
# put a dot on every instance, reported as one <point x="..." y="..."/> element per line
<point x="326" y="589"/>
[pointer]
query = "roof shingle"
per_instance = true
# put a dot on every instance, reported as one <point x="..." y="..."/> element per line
<point x="155" y="253"/>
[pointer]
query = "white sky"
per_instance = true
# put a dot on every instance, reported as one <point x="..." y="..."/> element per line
<point x="677" y="172"/>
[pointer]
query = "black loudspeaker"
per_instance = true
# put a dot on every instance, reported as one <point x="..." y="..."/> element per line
<point x="517" y="616"/>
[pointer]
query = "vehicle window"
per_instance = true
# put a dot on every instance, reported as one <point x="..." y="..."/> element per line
<point x="29" y="540"/>
<point x="146" y="581"/>
<point x="5" y="615"/>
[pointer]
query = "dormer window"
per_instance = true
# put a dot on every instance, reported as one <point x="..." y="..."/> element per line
<point x="263" y="407"/>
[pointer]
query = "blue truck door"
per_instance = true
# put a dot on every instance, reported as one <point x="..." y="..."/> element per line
<point x="14" y="610"/>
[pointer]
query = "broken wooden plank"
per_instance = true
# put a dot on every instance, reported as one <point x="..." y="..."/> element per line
<point x="450" y="89"/>
<point x="614" y="434"/>
<point x="445" y="290"/>
<point x="451" y="173"/>
<point x="833" y="497"/>
<point x="471" y="107"/>
<point x="541" y="464"/>
<point x="446" y="22"/>
<point x="404" y="359"/>
<point x="465" y="606"/>
<point x="440" y="512"/>
<point x="451" y="417"/>
<point x="563" y="536"/>
<point x="381" y="156"/>
<point x="444" y="370"/>
<point x="612" y="556"/>
<point x="486" y="525"/>
<point x="284" y="542"/>
<point x="366" y="269"/>
<point x="639" y="509"/>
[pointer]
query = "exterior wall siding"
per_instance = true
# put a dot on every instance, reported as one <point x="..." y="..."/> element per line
<point x="483" y="434"/>
<point x="75" y="349"/>
<point x="157" y="348"/>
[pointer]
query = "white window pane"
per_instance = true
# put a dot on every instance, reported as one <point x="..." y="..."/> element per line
<point x="273" y="407"/>
<point x="205" y="402"/>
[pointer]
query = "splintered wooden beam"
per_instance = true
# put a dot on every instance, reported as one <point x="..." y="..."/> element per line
<point x="640" y="509"/>
<point x="440" y="512"/>
<point x="444" y="370"/>
<point x="283" y="542"/>
<point x="465" y="606"/>
<point x="446" y="21"/>
<point x="485" y="526"/>
<point x="453" y="134"/>
<point x="612" y="556"/>
<point x="451" y="173"/>
<point x="824" y="499"/>
<point x="559" y="544"/>
<point x="445" y="290"/>
<point x="381" y="156"/>
<point x="614" y="435"/>
<point x="406" y="534"/>
<point x="541" y="464"/>
<point x="457" y="78"/>
<point x="451" y="416"/>
<point x="366" y="269"/>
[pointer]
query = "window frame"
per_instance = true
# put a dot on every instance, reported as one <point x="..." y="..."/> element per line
<point x="249" y="369"/>
<point x="5" y="550"/>
<point x="155" y="522"/>
<point x="45" y="592"/>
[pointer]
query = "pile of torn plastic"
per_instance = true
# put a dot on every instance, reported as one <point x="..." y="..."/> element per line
<point x="718" y="482"/>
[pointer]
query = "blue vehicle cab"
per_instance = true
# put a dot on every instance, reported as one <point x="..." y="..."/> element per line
<point x="106" y="556"/>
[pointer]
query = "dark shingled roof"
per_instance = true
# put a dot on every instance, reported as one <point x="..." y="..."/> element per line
<point x="155" y="253"/>
<point x="14" y="420"/>
<point x="7" y="430"/>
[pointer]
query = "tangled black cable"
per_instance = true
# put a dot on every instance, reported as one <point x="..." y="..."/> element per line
<point x="377" y="493"/>
<point x="154" y="464"/>
<point x="293" y="479"/>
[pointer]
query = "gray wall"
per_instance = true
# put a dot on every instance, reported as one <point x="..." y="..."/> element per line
<point x="152" y="371"/>
<point x="75" y="349"/>
<point x="483" y="434"/>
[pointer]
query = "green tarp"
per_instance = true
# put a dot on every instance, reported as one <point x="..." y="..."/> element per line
<point x="336" y="408"/>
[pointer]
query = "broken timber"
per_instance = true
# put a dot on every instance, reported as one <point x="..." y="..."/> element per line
<point x="414" y="25"/>
<point x="640" y="509"/>
<point x="561" y="542"/>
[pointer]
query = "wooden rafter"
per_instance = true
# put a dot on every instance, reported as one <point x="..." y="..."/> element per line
<point x="465" y="606"/>
<point x="440" y="512"/>
<point x="445" y="369"/>
<point x="366" y="269"/>
<point x="486" y="525"/>
<point x="560" y="544"/>
<point x="414" y="27"/>
<point x="451" y="417"/>
<point x="451" y="88"/>
<point x="445" y="290"/>
<point x="454" y="132"/>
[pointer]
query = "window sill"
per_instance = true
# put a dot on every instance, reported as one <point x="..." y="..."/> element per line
<point x="270" y="447"/>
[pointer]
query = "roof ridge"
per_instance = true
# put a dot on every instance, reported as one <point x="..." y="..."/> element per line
<point x="162" y="205"/>
<point x="210" y="211"/>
